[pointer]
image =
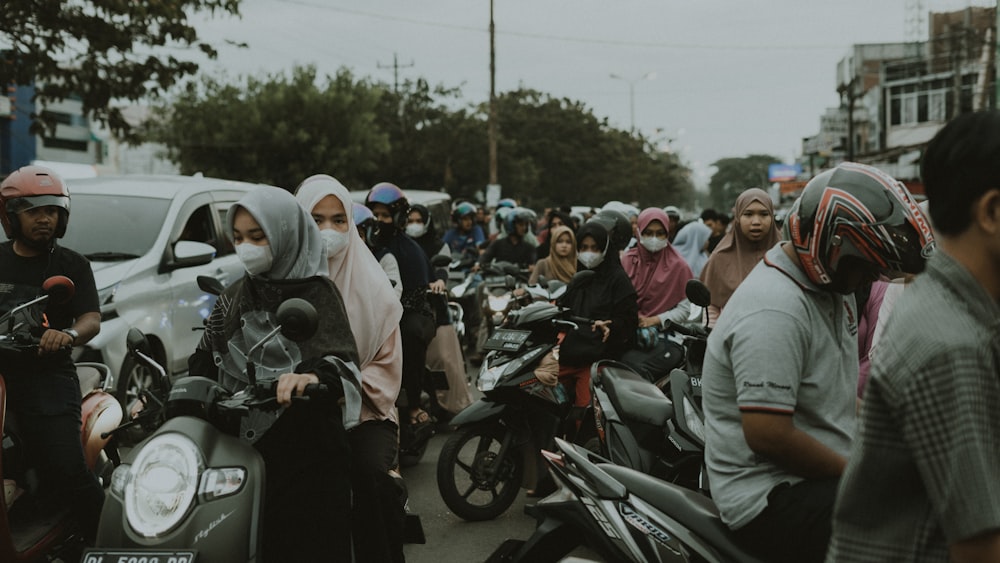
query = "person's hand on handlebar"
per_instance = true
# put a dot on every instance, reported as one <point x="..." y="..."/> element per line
<point x="437" y="286"/>
<point x="54" y="340"/>
<point x="293" y="385"/>
<point x="604" y="327"/>
<point x="648" y="321"/>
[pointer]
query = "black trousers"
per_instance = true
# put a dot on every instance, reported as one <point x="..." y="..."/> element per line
<point x="655" y="363"/>
<point x="416" y="332"/>
<point x="795" y="526"/>
<point x="379" y="518"/>
<point x="47" y="407"/>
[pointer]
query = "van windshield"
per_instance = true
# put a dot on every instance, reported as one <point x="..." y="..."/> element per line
<point x="112" y="228"/>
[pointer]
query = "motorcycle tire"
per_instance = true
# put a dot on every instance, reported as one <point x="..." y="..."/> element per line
<point x="465" y="476"/>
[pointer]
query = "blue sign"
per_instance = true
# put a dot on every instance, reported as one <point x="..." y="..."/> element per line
<point x="783" y="172"/>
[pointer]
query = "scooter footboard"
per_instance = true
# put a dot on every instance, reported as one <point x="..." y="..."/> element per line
<point x="220" y="510"/>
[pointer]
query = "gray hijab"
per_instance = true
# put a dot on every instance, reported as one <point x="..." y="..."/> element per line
<point x="296" y="244"/>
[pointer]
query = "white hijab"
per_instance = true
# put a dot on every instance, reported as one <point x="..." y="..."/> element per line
<point x="371" y="303"/>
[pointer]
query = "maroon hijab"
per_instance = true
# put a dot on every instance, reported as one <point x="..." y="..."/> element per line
<point x="736" y="255"/>
<point x="658" y="277"/>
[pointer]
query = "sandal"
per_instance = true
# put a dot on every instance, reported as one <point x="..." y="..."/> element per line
<point x="421" y="417"/>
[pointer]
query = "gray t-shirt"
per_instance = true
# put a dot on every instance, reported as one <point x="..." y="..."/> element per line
<point x="781" y="345"/>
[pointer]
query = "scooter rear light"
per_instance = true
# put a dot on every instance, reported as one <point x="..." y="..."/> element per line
<point x="222" y="482"/>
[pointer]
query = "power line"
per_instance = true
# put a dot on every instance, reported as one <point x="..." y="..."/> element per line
<point x="572" y="39"/>
<point x="395" y="66"/>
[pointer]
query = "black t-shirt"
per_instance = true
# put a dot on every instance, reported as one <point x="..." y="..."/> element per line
<point x="21" y="281"/>
<point x="503" y="249"/>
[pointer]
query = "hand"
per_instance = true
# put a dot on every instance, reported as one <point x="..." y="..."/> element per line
<point x="53" y="340"/>
<point x="437" y="286"/>
<point x="648" y="321"/>
<point x="292" y="385"/>
<point x="604" y="327"/>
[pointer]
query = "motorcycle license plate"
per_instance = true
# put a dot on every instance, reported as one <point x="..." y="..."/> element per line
<point x="507" y="340"/>
<point x="138" y="555"/>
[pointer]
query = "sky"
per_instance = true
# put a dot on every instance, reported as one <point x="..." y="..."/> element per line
<point x="710" y="79"/>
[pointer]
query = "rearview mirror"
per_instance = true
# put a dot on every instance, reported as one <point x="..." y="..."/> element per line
<point x="188" y="253"/>
<point x="440" y="261"/>
<point x="208" y="284"/>
<point x="298" y="319"/>
<point x="60" y="289"/>
<point x="135" y="340"/>
<point x="698" y="293"/>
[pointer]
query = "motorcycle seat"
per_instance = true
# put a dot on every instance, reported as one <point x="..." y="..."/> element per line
<point x="635" y="398"/>
<point x="692" y="510"/>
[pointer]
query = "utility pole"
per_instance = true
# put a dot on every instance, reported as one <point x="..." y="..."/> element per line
<point x="395" y="66"/>
<point x="492" y="117"/>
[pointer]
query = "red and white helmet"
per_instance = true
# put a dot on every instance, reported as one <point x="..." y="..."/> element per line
<point x="860" y="211"/>
<point x="29" y="187"/>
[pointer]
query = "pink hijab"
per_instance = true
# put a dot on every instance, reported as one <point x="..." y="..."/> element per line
<point x="371" y="303"/>
<point x="658" y="277"/>
<point x="736" y="255"/>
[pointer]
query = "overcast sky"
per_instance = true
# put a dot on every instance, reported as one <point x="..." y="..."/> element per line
<point x="732" y="77"/>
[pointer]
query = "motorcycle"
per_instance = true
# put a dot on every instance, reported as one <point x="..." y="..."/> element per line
<point x="49" y="531"/>
<point x="484" y="463"/>
<point x="624" y="515"/>
<point x="194" y="488"/>
<point x="655" y="428"/>
<point x="496" y="298"/>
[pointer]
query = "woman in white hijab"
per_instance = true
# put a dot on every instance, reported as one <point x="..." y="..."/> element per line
<point x="374" y="310"/>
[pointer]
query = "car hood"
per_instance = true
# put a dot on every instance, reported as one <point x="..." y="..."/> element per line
<point x="109" y="273"/>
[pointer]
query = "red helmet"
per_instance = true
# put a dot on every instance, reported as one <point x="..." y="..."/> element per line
<point x="29" y="187"/>
<point x="860" y="211"/>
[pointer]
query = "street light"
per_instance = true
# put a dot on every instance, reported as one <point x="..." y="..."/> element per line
<point x="631" y="92"/>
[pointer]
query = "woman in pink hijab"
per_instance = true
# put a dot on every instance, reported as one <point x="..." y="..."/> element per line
<point x="374" y="311"/>
<point x="659" y="274"/>
<point x="750" y="237"/>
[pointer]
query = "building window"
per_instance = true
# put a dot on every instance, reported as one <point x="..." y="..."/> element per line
<point x="54" y="143"/>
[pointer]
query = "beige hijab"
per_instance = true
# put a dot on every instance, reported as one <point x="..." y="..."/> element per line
<point x="561" y="268"/>
<point x="371" y="304"/>
<point x="736" y="255"/>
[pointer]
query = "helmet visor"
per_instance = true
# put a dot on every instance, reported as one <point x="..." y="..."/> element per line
<point x="17" y="205"/>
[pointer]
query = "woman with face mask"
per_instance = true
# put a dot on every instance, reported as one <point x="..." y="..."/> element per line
<point x="740" y="249"/>
<point x="659" y="274"/>
<point x="304" y="445"/>
<point x="375" y="312"/>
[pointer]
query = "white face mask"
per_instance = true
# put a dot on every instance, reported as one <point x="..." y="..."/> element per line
<point x="654" y="244"/>
<point x="256" y="259"/>
<point x="416" y="230"/>
<point x="334" y="241"/>
<point x="590" y="259"/>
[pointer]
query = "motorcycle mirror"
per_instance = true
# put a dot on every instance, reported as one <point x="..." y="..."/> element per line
<point x="440" y="261"/>
<point x="60" y="289"/>
<point x="580" y="277"/>
<point x="298" y="319"/>
<point x="509" y="281"/>
<point x="698" y="293"/>
<point x="137" y="341"/>
<point x="208" y="284"/>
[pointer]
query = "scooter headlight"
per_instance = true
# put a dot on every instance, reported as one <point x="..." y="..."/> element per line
<point x="488" y="376"/>
<point x="162" y="484"/>
<point x="694" y="423"/>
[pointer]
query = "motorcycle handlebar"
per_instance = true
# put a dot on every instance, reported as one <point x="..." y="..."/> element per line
<point x="693" y="331"/>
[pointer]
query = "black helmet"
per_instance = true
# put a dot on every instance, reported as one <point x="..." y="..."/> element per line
<point x="860" y="211"/>
<point x="618" y="226"/>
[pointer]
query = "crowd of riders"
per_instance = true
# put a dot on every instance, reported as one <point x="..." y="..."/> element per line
<point x="790" y="461"/>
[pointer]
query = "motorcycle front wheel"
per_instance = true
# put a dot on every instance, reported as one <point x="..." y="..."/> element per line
<point x="474" y="481"/>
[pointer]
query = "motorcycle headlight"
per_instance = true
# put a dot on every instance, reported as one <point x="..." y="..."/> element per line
<point x="694" y="423"/>
<point x="488" y="376"/>
<point x="162" y="484"/>
<point x="498" y="303"/>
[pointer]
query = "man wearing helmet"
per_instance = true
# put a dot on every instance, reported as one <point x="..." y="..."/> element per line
<point x="921" y="484"/>
<point x="514" y="246"/>
<point x="43" y="389"/>
<point x="781" y="366"/>
<point x="466" y="236"/>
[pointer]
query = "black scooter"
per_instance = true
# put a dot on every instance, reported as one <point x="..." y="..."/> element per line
<point x="484" y="463"/>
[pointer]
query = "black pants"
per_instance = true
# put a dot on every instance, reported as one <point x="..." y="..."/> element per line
<point x="47" y="407"/>
<point x="378" y="514"/>
<point x="795" y="526"/>
<point x="416" y="332"/>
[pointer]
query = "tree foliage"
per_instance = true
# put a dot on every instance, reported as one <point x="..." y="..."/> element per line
<point x="101" y="52"/>
<point x="277" y="130"/>
<point x="734" y="175"/>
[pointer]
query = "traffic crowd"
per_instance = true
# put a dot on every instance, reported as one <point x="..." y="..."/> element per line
<point x="834" y="429"/>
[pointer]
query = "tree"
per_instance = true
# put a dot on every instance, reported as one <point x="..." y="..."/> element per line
<point x="276" y="130"/>
<point x="100" y="52"/>
<point x="734" y="175"/>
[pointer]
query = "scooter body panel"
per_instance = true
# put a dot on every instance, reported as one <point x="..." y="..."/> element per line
<point x="220" y="530"/>
<point x="480" y="411"/>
